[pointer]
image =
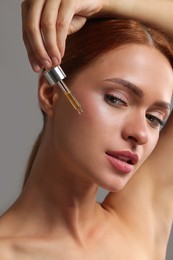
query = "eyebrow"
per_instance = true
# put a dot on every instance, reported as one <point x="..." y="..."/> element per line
<point x="127" y="84"/>
<point x="137" y="91"/>
<point x="163" y="104"/>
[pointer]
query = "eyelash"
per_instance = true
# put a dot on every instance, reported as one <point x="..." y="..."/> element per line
<point x="157" y="122"/>
<point x="116" y="101"/>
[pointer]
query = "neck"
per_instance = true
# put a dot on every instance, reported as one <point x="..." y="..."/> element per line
<point x="62" y="199"/>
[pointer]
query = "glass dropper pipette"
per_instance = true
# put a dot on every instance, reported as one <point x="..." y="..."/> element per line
<point x="55" y="76"/>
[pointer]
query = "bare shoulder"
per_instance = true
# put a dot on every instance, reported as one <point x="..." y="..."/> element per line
<point x="14" y="248"/>
<point x="7" y="245"/>
<point x="6" y="249"/>
<point x="11" y="248"/>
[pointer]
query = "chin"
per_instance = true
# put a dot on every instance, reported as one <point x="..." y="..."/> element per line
<point x="115" y="186"/>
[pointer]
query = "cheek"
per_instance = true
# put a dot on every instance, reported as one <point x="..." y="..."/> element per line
<point x="100" y="114"/>
<point x="85" y="132"/>
<point x="150" y="146"/>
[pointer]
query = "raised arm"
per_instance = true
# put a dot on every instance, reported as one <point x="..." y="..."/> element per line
<point x="160" y="161"/>
<point x="40" y="21"/>
<point x="155" y="12"/>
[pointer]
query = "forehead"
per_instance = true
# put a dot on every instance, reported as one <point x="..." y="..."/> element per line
<point x="144" y="66"/>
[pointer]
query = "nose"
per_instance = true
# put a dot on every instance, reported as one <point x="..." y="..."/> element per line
<point x="136" y="130"/>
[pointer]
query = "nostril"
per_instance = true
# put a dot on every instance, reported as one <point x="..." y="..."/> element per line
<point x="133" y="139"/>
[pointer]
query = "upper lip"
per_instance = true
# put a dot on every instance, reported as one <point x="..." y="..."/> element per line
<point x="128" y="156"/>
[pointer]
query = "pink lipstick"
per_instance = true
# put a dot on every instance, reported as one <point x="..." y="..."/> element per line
<point x="122" y="161"/>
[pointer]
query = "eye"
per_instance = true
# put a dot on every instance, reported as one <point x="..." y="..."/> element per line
<point x="114" y="100"/>
<point x="154" y="121"/>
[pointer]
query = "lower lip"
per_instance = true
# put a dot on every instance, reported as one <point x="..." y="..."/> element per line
<point x="119" y="165"/>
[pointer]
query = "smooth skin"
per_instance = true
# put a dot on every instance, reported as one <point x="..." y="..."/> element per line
<point x="56" y="216"/>
<point x="40" y="18"/>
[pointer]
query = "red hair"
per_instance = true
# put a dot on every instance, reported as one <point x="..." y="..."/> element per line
<point x="103" y="35"/>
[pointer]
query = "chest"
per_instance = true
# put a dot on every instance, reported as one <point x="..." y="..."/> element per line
<point x="112" y="247"/>
<point x="133" y="240"/>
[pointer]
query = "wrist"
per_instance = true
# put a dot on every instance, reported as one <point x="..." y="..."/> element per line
<point x="123" y="8"/>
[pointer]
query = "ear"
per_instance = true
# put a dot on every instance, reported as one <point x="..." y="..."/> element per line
<point x="47" y="96"/>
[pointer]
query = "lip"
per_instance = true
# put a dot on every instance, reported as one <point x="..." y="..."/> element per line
<point x="122" y="161"/>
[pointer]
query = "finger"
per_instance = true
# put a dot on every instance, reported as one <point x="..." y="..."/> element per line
<point x="65" y="15"/>
<point x="31" y="26"/>
<point x="48" y="26"/>
<point x="36" y="65"/>
<point x="76" y="24"/>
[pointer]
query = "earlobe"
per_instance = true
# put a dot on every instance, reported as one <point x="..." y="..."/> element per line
<point x="47" y="96"/>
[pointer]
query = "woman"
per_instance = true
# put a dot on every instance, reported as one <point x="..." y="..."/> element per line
<point x="124" y="85"/>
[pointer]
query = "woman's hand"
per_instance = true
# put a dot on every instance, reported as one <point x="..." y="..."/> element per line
<point x="46" y="24"/>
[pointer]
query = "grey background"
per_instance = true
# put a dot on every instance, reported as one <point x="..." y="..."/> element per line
<point x="20" y="118"/>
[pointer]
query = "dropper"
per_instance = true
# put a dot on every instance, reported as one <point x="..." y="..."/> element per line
<point x="55" y="76"/>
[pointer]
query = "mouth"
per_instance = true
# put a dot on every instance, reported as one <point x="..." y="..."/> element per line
<point x="122" y="161"/>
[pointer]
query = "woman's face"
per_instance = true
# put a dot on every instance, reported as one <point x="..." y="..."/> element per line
<point x="125" y="96"/>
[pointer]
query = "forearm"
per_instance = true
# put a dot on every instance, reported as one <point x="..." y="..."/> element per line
<point x="45" y="32"/>
<point x="155" y="12"/>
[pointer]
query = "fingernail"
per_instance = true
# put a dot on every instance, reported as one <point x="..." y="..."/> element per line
<point x="46" y="64"/>
<point x="55" y="61"/>
<point x="36" y="67"/>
